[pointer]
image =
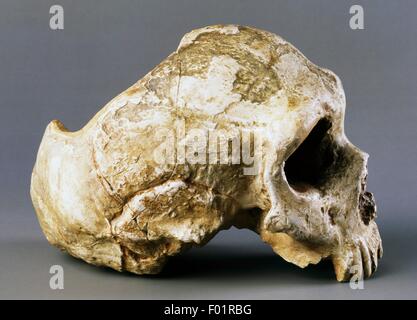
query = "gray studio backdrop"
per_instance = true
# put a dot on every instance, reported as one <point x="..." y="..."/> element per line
<point x="107" y="45"/>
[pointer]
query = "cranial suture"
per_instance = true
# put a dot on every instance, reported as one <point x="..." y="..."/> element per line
<point x="109" y="195"/>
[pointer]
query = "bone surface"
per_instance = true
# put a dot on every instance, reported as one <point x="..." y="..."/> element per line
<point x="141" y="182"/>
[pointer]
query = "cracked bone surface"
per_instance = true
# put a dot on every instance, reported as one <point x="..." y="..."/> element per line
<point x="103" y="196"/>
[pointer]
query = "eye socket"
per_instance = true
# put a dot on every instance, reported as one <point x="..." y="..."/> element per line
<point x="308" y="164"/>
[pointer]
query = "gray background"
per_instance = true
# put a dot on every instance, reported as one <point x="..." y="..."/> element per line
<point x="108" y="45"/>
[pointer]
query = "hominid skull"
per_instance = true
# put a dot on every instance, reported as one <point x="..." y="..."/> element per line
<point x="151" y="174"/>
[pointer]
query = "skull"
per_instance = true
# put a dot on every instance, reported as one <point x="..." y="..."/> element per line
<point x="138" y="183"/>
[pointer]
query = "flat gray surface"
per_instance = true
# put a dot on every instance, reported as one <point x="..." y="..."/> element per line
<point x="235" y="265"/>
<point x="108" y="45"/>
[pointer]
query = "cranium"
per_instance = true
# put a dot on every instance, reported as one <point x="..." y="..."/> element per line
<point x="101" y="195"/>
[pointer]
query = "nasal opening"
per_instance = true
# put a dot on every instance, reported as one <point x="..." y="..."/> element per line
<point x="308" y="164"/>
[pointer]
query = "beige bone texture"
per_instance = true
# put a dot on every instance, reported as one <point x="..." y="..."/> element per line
<point x="109" y="194"/>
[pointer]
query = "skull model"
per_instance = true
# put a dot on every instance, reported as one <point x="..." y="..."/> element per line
<point x="102" y="195"/>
